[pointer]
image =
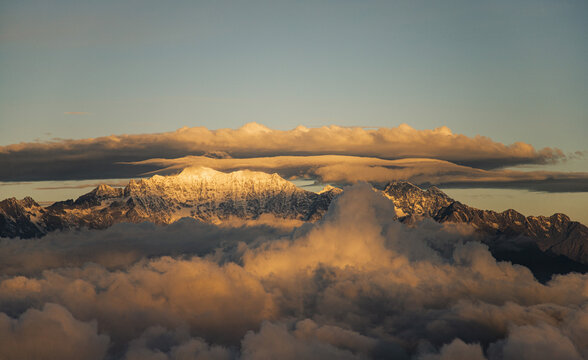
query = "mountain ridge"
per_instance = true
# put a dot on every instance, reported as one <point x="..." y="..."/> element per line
<point x="556" y="233"/>
<point x="202" y="193"/>
<point x="212" y="196"/>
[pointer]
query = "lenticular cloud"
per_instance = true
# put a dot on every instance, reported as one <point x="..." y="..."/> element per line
<point x="100" y="158"/>
<point x="339" y="169"/>
<point x="356" y="285"/>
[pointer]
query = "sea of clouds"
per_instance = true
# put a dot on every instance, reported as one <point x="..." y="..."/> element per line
<point x="356" y="285"/>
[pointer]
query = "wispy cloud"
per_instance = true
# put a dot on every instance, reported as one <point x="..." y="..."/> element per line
<point x="81" y="186"/>
<point x="13" y="183"/>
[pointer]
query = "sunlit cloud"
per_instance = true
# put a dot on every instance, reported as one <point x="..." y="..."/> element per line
<point x="357" y="284"/>
<point x="341" y="169"/>
<point x="80" y="186"/>
<point x="104" y="157"/>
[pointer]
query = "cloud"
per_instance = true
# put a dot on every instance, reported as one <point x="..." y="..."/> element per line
<point x="122" y="245"/>
<point x="82" y="186"/>
<point x="537" y="342"/>
<point x="307" y="341"/>
<point x="158" y="343"/>
<point x="164" y="291"/>
<point x="357" y="284"/>
<point x="457" y="350"/>
<point x="351" y="169"/>
<point x="50" y="333"/>
<point x="103" y="157"/>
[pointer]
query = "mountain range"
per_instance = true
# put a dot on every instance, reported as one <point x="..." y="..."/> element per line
<point x="200" y="193"/>
<point x="212" y="196"/>
<point x="556" y="234"/>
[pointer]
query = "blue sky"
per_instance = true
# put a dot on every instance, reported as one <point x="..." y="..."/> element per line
<point x="511" y="70"/>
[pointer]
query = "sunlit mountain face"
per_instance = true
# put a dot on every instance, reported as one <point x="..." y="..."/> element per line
<point x="227" y="254"/>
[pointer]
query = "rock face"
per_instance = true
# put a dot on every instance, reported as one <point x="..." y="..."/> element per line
<point x="201" y="193"/>
<point x="556" y="234"/>
<point x="21" y="218"/>
<point x="213" y="196"/>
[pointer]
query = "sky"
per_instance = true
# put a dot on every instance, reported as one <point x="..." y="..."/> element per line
<point x="509" y="70"/>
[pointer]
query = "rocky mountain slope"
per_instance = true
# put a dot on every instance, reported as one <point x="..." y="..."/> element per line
<point x="555" y="234"/>
<point x="213" y="196"/>
<point x="201" y="193"/>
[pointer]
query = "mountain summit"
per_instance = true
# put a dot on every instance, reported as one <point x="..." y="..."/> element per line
<point x="201" y="193"/>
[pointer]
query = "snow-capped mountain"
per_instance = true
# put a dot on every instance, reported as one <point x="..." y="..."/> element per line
<point x="214" y="197"/>
<point x="200" y="193"/>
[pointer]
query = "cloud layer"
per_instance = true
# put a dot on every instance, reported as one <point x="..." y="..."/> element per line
<point x="341" y="169"/>
<point x="101" y="157"/>
<point x="355" y="285"/>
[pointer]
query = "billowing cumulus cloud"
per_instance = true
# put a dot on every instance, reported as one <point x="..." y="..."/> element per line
<point x="50" y="333"/>
<point x="541" y="342"/>
<point x="457" y="350"/>
<point x="103" y="157"/>
<point x="355" y="285"/>
<point x="158" y="343"/>
<point x="124" y="244"/>
<point x="341" y="169"/>
<point x="306" y="341"/>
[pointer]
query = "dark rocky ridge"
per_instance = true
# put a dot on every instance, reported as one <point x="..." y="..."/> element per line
<point x="556" y="234"/>
<point x="18" y="218"/>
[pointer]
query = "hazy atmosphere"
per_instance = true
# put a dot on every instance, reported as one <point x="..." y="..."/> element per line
<point x="294" y="179"/>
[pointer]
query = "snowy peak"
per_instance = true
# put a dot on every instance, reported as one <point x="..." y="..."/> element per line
<point x="190" y="173"/>
<point x="212" y="196"/>
<point x="13" y="203"/>
<point x="200" y="193"/>
<point x="409" y="199"/>
<point x="198" y="184"/>
<point x="329" y="189"/>
<point x="204" y="174"/>
<point x="104" y="190"/>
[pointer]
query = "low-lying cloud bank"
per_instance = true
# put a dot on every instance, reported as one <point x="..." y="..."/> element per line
<point x="341" y="169"/>
<point x="122" y="245"/>
<point x="356" y="285"/>
<point x="100" y="158"/>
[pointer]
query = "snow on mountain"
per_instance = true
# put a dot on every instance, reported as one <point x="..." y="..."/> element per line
<point x="211" y="195"/>
<point x="411" y="200"/>
<point x="195" y="185"/>
<point x="200" y="193"/>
